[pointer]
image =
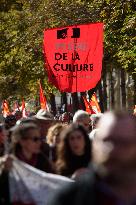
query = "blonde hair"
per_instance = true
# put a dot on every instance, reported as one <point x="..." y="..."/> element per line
<point x="54" y="130"/>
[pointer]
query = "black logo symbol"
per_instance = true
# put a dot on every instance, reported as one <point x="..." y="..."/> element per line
<point x="62" y="34"/>
<point x="76" y="33"/>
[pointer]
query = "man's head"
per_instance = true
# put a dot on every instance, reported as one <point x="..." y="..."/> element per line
<point x="44" y="119"/>
<point x="114" y="147"/>
<point x="94" y="119"/>
<point x="82" y="117"/>
<point x="10" y="121"/>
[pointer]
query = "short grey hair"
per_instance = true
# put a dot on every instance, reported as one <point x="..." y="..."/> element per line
<point x="79" y="115"/>
<point x="95" y="117"/>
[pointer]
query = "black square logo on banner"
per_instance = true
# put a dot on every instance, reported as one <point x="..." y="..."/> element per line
<point x="62" y="33"/>
<point x="76" y="33"/>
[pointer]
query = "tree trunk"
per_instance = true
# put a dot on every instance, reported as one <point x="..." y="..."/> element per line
<point x="104" y="89"/>
<point x="112" y="89"/>
<point x="64" y="100"/>
<point x="75" y="102"/>
<point x="108" y="91"/>
<point x="53" y="104"/>
<point x="130" y="93"/>
<point x="82" y="105"/>
<point x="123" y="89"/>
<point x="101" y="103"/>
<point x="117" y="91"/>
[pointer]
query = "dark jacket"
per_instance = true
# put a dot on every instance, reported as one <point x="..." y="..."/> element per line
<point x="45" y="149"/>
<point x="76" y="162"/>
<point x="4" y="188"/>
<point x="2" y="149"/>
<point x="88" y="190"/>
<point x="39" y="161"/>
<point x="80" y="192"/>
<point x="44" y="164"/>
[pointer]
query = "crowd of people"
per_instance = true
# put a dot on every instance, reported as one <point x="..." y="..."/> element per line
<point x="97" y="151"/>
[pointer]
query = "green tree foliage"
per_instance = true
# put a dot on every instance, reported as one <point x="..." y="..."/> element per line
<point x="22" y="25"/>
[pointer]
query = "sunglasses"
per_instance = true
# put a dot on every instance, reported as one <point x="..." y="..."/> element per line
<point x="35" y="139"/>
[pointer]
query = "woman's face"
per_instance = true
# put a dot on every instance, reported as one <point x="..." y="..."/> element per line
<point x="77" y="142"/>
<point x="32" y="143"/>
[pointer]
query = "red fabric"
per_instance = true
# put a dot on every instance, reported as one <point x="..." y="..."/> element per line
<point x="23" y="109"/>
<point x="88" y="106"/>
<point x="94" y="104"/>
<point x="5" y="109"/>
<point x="87" y="46"/>
<point x="42" y="98"/>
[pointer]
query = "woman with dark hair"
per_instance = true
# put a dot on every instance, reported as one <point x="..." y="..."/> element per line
<point x="74" y="151"/>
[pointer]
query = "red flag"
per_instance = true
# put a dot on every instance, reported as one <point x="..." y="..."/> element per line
<point x="5" y="109"/>
<point x="43" y="101"/>
<point x="73" y="56"/>
<point x="24" y="115"/>
<point x="94" y="104"/>
<point x="87" y="105"/>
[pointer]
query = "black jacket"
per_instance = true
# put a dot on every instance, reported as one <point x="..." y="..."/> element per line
<point x="81" y="192"/>
<point x="88" y="190"/>
<point x="4" y="188"/>
<point x="77" y="162"/>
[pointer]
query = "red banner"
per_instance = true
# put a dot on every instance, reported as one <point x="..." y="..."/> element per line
<point x="73" y="56"/>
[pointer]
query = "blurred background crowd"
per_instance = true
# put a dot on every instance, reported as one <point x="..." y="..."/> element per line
<point x="101" y="146"/>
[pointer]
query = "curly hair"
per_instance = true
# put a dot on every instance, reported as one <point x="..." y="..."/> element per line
<point x="54" y="130"/>
<point x="65" y="154"/>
